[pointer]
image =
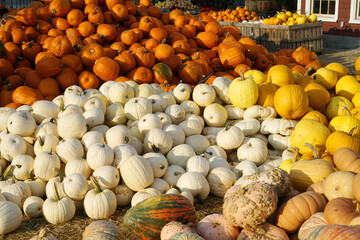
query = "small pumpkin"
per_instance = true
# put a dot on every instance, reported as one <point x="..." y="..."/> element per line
<point x="102" y="229"/>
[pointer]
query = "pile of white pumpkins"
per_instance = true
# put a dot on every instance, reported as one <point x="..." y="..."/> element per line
<point x="123" y="143"/>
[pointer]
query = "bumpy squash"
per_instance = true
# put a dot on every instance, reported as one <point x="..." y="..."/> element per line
<point x="147" y="218"/>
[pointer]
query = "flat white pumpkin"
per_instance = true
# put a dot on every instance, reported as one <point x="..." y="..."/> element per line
<point x="137" y="107"/>
<point x="16" y="192"/>
<point x="21" y="123"/>
<point x="78" y="165"/>
<point x="123" y="151"/>
<point x="21" y="166"/>
<point x="231" y="137"/>
<point x="148" y="122"/>
<point x="44" y="109"/>
<point x="75" y="186"/>
<point x="11" y="146"/>
<point x="72" y="125"/>
<point x="118" y="135"/>
<point x="46" y="142"/>
<point x="107" y="176"/>
<point x="69" y="109"/>
<point x="95" y="102"/>
<point x="253" y="149"/>
<point x="33" y="207"/>
<point x="115" y="115"/>
<point x="182" y="92"/>
<point x="190" y="107"/>
<point x="176" y="113"/>
<point x="146" y="90"/>
<point x="198" y="142"/>
<point x="196" y="183"/>
<point x="203" y="94"/>
<point x="172" y="174"/>
<point x="214" y="150"/>
<point x="69" y="148"/>
<point x="120" y="92"/>
<point x="143" y="195"/>
<point x="218" y="161"/>
<point x="279" y="142"/>
<point x="44" y="165"/>
<point x="91" y="138"/>
<point x="160" y="184"/>
<point x="245" y="168"/>
<point x="158" y="140"/>
<point x="104" y="88"/>
<point x="94" y="117"/>
<point x="220" y="180"/>
<point x="221" y="86"/>
<point x="10" y="217"/>
<point x="176" y="132"/>
<point x="248" y="126"/>
<point x="180" y="154"/>
<point x="215" y="115"/>
<point x="165" y="118"/>
<point x="158" y="103"/>
<point x="198" y="164"/>
<point x="234" y="112"/>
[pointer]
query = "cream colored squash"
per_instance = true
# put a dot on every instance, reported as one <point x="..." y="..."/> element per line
<point x="191" y="116"/>
<point x="100" y="128"/>
<point x="231" y="137"/>
<point x="11" y="146"/>
<point x="259" y="112"/>
<point x="72" y="125"/>
<point x="33" y="207"/>
<point x="221" y="86"/>
<point x="182" y="92"/>
<point x="158" y="162"/>
<point x="339" y="184"/>
<point x="104" y="88"/>
<point x="245" y="168"/>
<point x="37" y="186"/>
<point x="218" y="161"/>
<point x="198" y="142"/>
<point x="172" y="174"/>
<point x="44" y="109"/>
<point x="115" y="115"/>
<point x="169" y="98"/>
<point x="69" y="148"/>
<point x="91" y="138"/>
<point x="198" y="164"/>
<point x="190" y="107"/>
<point x="90" y="92"/>
<point x="165" y="118"/>
<point x="203" y="95"/>
<point x="46" y="142"/>
<point x="10" y="217"/>
<point x="21" y="123"/>
<point x="220" y="180"/>
<point x="135" y="86"/>
<point x="214" y="150"/>
<point x="78" y="165"/>
<point x="57" y="181"/>
<point x="148" y="122"/>
<point x="136" y="172"/>
<point x="279" y="142"/>
<point x="69" y="109"/>
<point x="143" y="195"/>
<point x="248" y="126"/>
<point x="196" y="183"/>
<point x="123" y="195"/>
<point x="21" y="166"/>
<point x="118" y="135"/>
<point x="253" y="149"/>
<point x="158" y="103"/>
<point x="157" y="87"/>
<point x="16" y="192"/>
<point x="5" y="113"/>
<point x="44" y="165"/>
<point x="146" y="90"/>
<point x="211" y="130"/>
<point x="215" y="115"/>
<point x="160" y="184"/>
<point x="158" y="140"/>
<point x="24" y="108"/>
<point x="176" y="113"/>
<point x="234" y="112"/>
<point x="98" y="155"/>
<point x="75" y="186"/>
<point x="78" y="99"/>
<point x="177" y="133"/>
<point x="59" y="100"/>
<point x="107" y="176"/>
<point x="120" y="92"/>
<point x="191" y="127"/>
<point x="137" y="144"/>
<point x="74" y="89"/>
<point x="137" y="107"/>
<point x="121" y="152"/>
<point x="94" y="117"/>
<point x="95" y="102"/>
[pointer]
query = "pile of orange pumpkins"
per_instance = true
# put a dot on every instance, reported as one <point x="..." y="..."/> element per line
<point x="239" y="14"/>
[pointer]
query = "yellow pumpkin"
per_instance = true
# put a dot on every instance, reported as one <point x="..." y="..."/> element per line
<point x="339" y="139"/>
<point x="345" y="124"/>
<point x="266" y="94"/>
<point x="338" y="106"/>
<point x="291" y="101"/>
<point x="338" y="68"/>
<point x="304" y="173"/>
<point x="296" y="74"/>
<point x="347" y="86"/>
<point x="317" y="116"/>
<point x="309" y="131"/>
<point x="357" y="64"/>
<point x="256" y="75"/>
<point x="243" y="92"/>
<point x="318" y="95"/>
<point x="286" y="164"/>
<point x="280" y="75"/>
<point x="326" y="77"/>
<point x="355" y="112"/>
<point x="304" y="80"/>
<point x="356" y="99"/>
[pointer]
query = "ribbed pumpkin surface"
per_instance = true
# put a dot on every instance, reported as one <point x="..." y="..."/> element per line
<point x="335" y="232"/>
<point x="147" y="218"/>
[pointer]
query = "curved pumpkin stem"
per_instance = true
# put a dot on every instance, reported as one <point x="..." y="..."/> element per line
<point x="352" y="130"/>
<point x="205" y="78"/>
<point x="295" y="154"/>
<point x="6" y="173"/>
<point x="314" y="150"/>
<point x="32" y="176"/>
<point x="61" y="176"/>
<point x="228" y="125"/>
<point x="155" y="148"/>
<point x="347" y="110"/>
<point x="95" y="183"/>
<point x="56" y="193"/>
<point x="41" y="141"/>
<point x="177" y="188"/>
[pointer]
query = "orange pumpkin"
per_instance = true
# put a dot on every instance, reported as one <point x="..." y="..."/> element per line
<point x="6" y="96"/>
<point x="91" y="53"/>
<point x="140" y="75"/>
<point x="88" y="80"/>
<point x="66" y="78"/>
<point x="26" y="95"/>
<point x="190" y="72"/>
<point x="48" y="87"/>
<point x="72" y="61"/>
<point x="48" y="67"/>
<point x="144" y="57"/>
<point x="6" y="68"/>
<point x="106" y="69"/>
<point x="61" y="46"/>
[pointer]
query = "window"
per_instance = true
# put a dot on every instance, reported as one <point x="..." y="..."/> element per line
<point x="355" y="11"/>
<point x="358" y="10"/>
<point x="327" y="10"/>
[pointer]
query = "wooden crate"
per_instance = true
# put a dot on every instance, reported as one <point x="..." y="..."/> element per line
<point x="247" y="29"/>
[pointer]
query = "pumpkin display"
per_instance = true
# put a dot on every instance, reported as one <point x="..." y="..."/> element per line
<point x="347" y="160"/>
<point x="102" y="229"/>
<point x="265" y="230"/>
<point x="243" y="92"/>
<point x="341" y="210"/>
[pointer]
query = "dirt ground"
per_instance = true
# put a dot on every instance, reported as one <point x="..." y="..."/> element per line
<point x="73" y="229"/>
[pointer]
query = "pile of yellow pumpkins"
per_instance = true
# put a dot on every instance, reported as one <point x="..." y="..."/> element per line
<point x="289" y="18"/>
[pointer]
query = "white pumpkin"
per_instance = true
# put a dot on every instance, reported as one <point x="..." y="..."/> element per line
<point x="58" y="209"/>
<point x="37" y="186"/>
<point x="2" y="198"/>
<point x="5" y="113"/>
<point x="107" y="176"/>
<point x="120" y="92"/>
<point x="44" y="143"/>
<point x="172" y="174"/>
<point x="98" y="155"/>
<point x="218" y="161"/>
<point x="196" y="183"/>
<point x="10" y="217"/>
<point x="184" y="192"/>
<point x="104" y="88"/>
<point x="169" y="98"/>
<point x="215" y="115"/>
<point x="158" y="162"/>
<point x="16" y="192"/>
<point x="245" y="168"/>
<point x="157" y="87"/>
<point x="279" y="142"/>
<point x="136" y="172"/>
<point x="44" y="165"/>
<point x="148" y="122"/>
<point x="158" y="140"/>
<point x="137" y="144"/>
<point x="78" y="99"/>
<point x="78" y="165"/>
<point x="137" y="107"/>
<point x="123" y="195"/>
<point x="134" y="130"/>
<point x="69" y="110"/>
<point x="75" y="186"/>
<point x="146" y="90"/>
<point x="33" y="207"/>
<point x="115" y="115"/>
<point x="11" y="146"/>
<point x="100" y="128"/>
<point x="95" y="102"/>
<point x="99" y="203"/>
<point x="253" y="149"/>
<point x="287" y="126"/>
<point x="123" y="151"/>
<point x="176" y="132"/>
<point x="165" y="119"/>
<point x="91" y="138"/>
<point x="94" y="117"/>
<point x="160" y="184"/>
<point x="182" y="92"/>
<point x="144" y="194"/>
<point x="211" y="130"/>
<point x="270" y="126"/>
<point x="248" y="126"/>
<point x="191" y="127"/>
<point x="44" y="109"/>
<point x="234" y="112"/>
<point x="21" y="123"/>
<point x="198" y="164"/>
<point x="221" y="86"/>
<point x="198" y="142"/>
<point x="118" y="135"/>
<point x="231" y="137"/>
<point x="176" y="113"/>
<point x="135" y="87"/>
<point x="203" y="94"/>
<point x="158" y="103"/>
<point x="69" y="148"/>
<point x="180" y="154"/>
<point x="55" y="181"/>
<point x="73" y="89"/>
<point x="21" y="166"/>
<point x="59" y="100"/>
<point x="72" y="125"/>
<point x="259" y="112"/>
<point x="220" y="180"/>
<point x="24" y="108"/>
<point x="190" y="116"/>
<point x="47" y="126"/>
<point x="190" y="107"/>
<point x="214" y="150"/>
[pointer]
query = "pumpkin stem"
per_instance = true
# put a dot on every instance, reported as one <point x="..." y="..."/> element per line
<point x="197" y="57"/>
<point x="41" y="141"/>
<point x="295" y="155"/>
<point x="351" y="132"/>
<point x="176" y="188"/>
<point x="314" y="150"/>
<point x="53" y="120"/>
<point x="228" y="125"/>
<point x="347" y="110"/>
<point x="242" y="74"/>
<point x="56" y="193"/>
<point x="61" y="176"/>
<point x="6" y="173"/>
<point x="95" y="183"/>
<point x="127" y="139"/>
<point x="32" y="176"/>
<point x="162" y="166"/>
<point x="177" y="173"/>
<point x="154" y="148"/>
<point x="205" y="78"/>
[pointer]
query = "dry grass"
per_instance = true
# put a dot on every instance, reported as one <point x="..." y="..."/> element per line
<point x="72" y="230"/>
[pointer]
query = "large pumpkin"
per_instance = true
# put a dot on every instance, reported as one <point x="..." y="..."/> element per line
<point x="341" y="211"/>
<point x="106" y="68"/>
<point x="147" y="218"/>
<point x="26" y="95"/>
<point x="280" y="75"/>
<point x="243" y="93"/>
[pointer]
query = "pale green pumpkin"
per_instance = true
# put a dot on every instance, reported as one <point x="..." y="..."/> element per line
<point x="243" y="92"/>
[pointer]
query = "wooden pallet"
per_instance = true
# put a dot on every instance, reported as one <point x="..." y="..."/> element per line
<point x="275" y="37"/>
